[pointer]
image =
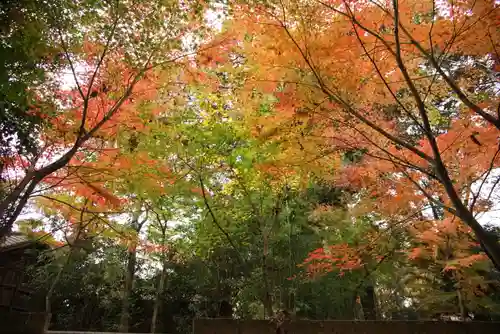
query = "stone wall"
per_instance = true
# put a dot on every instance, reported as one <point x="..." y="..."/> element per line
<point x="229" y="326"/>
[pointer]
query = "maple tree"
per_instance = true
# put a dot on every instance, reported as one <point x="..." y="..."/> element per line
<point x="408" y="85"/>
<point x="440" y="266"/>
<point x="461" y="270"/>
<point x="185" y="175"/>
<point x="113" y="69"/>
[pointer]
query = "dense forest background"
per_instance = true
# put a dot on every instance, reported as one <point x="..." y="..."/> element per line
<point x="253" y="159"/>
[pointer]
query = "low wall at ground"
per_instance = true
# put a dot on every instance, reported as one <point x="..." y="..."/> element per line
<point x="230" y="326"/>
<point x="21" y="323"/>
<point x="76" y="332"/>
<point x="30" y="324"/>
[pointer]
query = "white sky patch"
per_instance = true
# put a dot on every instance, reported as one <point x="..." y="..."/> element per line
<point x="491" y="190"/>
<point x="214" y="18"/>
<point x="66" y="77"/>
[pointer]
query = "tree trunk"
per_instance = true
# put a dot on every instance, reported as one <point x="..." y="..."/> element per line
<point x="267" y="301"/>
<point x="461" y="306"/>
<point x="12" y="205"/>
<point x="267" y="298"/>
<point x="159" y="291"/>
<point x="491" y="247"/>
<point x="127" y="290"/>
<point x="487" y="241"/>
<point x="358" y="309"/>
<point x="129" y="275"/>
<point x="225" y="309"/>
<point x="489" y="244"/>
<point x="49" y="294"/>
<point x="369" y="304"/>
<point x="72" y="249"/>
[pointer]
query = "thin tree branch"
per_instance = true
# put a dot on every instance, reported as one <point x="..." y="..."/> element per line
<point x="485" y="177"/>
<point x="216" y="222"/>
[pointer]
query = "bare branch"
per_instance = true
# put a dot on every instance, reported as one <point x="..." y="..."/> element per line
<point x="485" y="177"/>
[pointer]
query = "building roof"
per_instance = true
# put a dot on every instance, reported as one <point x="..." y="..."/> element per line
<point x="17" y="240"/>
<point x="13" y="240"/>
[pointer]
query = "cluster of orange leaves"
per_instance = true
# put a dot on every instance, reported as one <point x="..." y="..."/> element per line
<point x="314" y="132"/>
<point x="446" y="242"/>
<point x="90" y="103"/>
<point x="336" y="257"/>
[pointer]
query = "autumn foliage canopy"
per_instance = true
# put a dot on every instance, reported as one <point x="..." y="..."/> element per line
<point x="393" y="103"/>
